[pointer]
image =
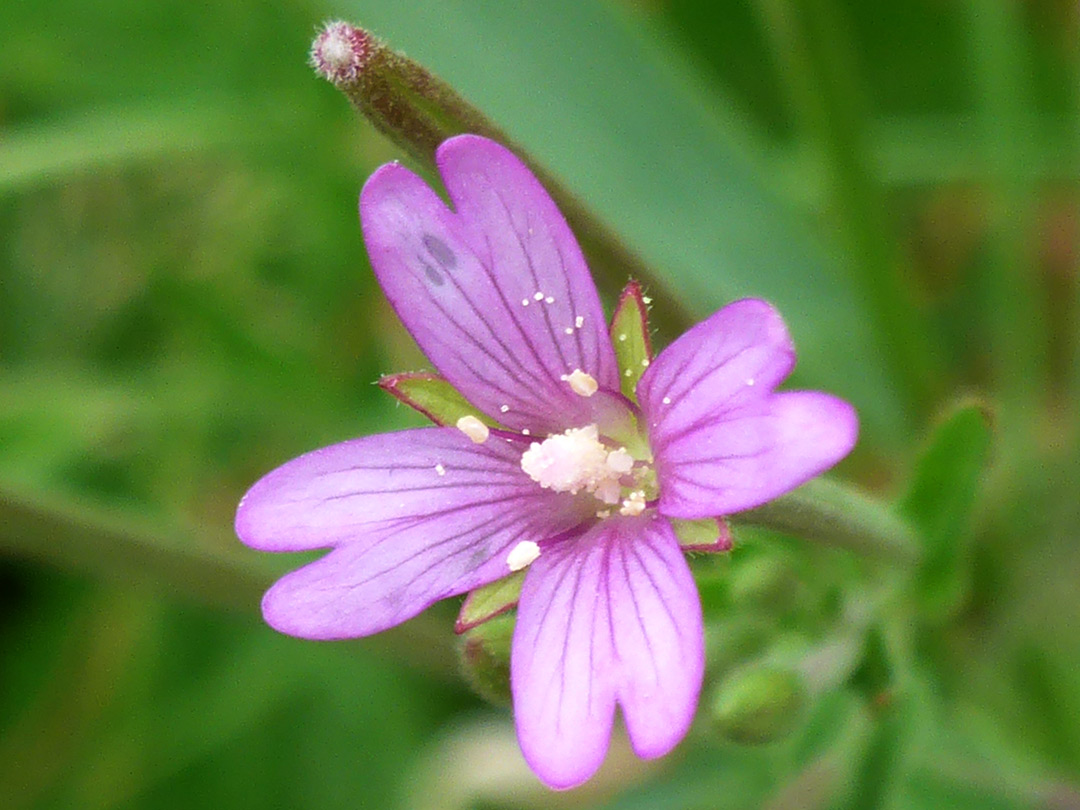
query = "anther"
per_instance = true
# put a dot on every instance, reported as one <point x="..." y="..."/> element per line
<point x="522" y="555"/>
<point x="473" y="428"/>
<point x="582" y="383"/>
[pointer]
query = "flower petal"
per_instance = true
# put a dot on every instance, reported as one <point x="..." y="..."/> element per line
<point x="496" y="293"/>
<point x="416" y="516"/>
<point x="740" y="459"/>
<point x="740" y="353"/>
<point x="722" y="439"/>
<point x="612" y="616"/>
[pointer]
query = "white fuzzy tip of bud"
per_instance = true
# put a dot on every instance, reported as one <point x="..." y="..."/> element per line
<point x="473" y="428"/>
<point x="582" y="383"/>
<point x="340" y="52"/>
<point x="522" y="555"/>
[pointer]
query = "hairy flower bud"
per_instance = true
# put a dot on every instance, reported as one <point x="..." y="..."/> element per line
<point x="757" y="704"/>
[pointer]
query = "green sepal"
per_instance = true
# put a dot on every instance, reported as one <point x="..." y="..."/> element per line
<point x="489" y="601"/>
<point x="940" y="504"/>
<point x="485" y="659"/>
<point x="707" y="534"/>
<point x="630" y="336"/>
<point x="432" y="396"/>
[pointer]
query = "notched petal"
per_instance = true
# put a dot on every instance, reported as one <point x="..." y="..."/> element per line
<point x="612" y="617"/>
<point x="413" y="517"/>
<point x="495" y="292"/>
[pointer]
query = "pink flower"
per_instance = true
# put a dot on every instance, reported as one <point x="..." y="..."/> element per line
<point x="579" y="485"/>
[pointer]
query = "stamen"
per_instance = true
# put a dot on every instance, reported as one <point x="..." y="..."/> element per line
<point x="522" y="555"/>
<point x="579" y="321"/>
<point x="473" y="428"/>
<point x="582" y="383"/>
<point x="633" y="505"/>
<point x="620" y="461"/>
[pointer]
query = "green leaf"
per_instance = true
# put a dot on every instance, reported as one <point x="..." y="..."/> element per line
<point x="940" y="503"/>
<point x="46" y="152"/>
<point x="489" y="601"/>
<point x="432" y="396"/>
<point x="630" y="336"/>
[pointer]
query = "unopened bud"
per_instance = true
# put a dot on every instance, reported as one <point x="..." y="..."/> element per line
<point x="757" y="704"/>
<point x="485" y="659"/>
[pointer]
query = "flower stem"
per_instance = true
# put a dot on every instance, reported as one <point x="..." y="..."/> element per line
<point x="418" y="111"/>
<point x="838" y="516"/>
<point x="87" y="539"/>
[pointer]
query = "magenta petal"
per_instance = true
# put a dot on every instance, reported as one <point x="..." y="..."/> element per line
<point x="612" y="616"/>
<point x="722" y="439"/>
<point x="465" y="284"/>
<point x="740" y="459"/>
<point x="416" y="516"/>
<point x="738" y="354"/>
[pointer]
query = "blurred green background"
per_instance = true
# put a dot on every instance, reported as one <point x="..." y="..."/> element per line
<point x="185" y="303"/>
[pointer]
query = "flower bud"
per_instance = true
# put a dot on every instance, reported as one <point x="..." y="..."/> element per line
<point x="757" y="704"/>
<point x="485" y="659"/>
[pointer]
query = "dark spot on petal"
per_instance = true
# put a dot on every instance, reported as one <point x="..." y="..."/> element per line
<point x="432" y="274"/>
<point x="440" y="252"/>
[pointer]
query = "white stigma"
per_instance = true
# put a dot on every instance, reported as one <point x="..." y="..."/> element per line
<point x="576" y="460"/>
<point x="522" y="555"/>
<point x="440" y="469"/>
<point x="473" y="428"/>
<point x="582" y="383"/>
